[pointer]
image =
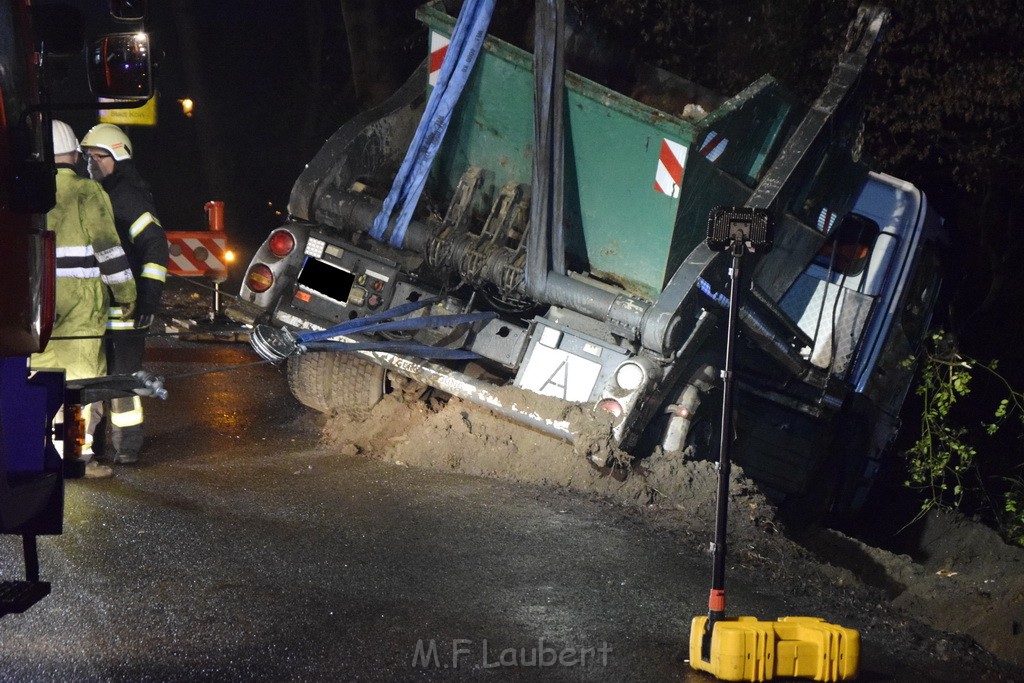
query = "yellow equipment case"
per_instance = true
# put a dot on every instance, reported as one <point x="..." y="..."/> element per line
<point x="745" y="649"/>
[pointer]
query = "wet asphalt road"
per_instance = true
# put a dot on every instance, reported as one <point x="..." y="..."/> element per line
<point x="241" y="549"/>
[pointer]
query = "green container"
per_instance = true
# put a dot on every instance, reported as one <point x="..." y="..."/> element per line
<point x="637" y="190"/>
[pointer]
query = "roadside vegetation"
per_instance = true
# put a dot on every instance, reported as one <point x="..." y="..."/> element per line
<point x="955" y="461"/>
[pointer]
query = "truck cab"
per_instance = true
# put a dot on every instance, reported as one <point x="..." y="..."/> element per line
<point x="32" y="471"/>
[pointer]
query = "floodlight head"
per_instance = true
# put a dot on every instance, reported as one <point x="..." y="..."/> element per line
<point x="739" y="227"/>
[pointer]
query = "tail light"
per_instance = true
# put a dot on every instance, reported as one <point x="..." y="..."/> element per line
<point x="260" y="278"/>
<point x="610" y="405"/>
<point x="281" y="243"/>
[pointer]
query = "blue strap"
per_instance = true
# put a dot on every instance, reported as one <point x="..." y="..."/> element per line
<point x="467" y="38"/>
<point x="400" y="310"/>
<point x="423" y="322"/>
<point x="382" y="322"/>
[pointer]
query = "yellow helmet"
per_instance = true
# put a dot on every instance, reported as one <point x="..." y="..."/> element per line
<point x="111" y="138"/>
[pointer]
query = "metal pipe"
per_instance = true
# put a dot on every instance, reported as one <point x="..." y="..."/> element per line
<point x="716" y="600"/>
<point x="474" y="391"/>
<point x="353" y="211"/>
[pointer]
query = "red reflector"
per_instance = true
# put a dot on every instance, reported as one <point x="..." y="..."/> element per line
<point x="259" y="279"/>
<point x="48" y="293"/>
<point x="74" y="431"/>
<point x="303" y="296"/>
<point x="281" y="243"/>
<point x="610" y="405"/>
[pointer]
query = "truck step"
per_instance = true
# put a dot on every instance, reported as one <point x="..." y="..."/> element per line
<point x="18" y="596"/>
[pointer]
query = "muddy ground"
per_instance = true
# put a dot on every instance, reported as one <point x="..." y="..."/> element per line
<point x="951" y="573"/>
<point x="960" y="579"/>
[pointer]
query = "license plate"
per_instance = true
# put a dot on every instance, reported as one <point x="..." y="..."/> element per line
<point x="553" y="372"/>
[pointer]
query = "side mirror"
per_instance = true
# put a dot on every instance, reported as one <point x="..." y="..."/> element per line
<point x="128" y="10"/>
<point x="120" y="67"/>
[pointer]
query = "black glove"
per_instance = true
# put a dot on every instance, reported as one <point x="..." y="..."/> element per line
<point x="143" y="320"/>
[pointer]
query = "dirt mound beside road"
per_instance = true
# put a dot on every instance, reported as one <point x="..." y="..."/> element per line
<point x="960" y="578"/>
<point x="459" y="437"/>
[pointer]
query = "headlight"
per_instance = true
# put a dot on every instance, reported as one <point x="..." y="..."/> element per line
<point x="629" y="376"/>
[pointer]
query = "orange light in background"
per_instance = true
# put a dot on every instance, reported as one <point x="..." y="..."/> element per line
<point x="229" y="256"/>
<point x="186" y="106"/>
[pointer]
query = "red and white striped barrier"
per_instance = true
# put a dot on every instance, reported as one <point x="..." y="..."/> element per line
<point x="198" y="253"/>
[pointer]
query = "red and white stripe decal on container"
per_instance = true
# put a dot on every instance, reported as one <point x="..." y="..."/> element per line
<point x="671" y="161"/>
<point x="713" y="146"/>
<point x="826" y="220"/>
<point x="438" y="49"/>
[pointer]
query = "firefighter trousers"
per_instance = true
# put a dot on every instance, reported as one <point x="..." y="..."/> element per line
<point x="125" y="349"/>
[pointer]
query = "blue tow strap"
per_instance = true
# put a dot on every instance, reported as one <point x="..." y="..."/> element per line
<point x="346" y="327"/>
<point x="384" y="322"/>
<point x="467" y="38"/>
<point x="276" y="344"/>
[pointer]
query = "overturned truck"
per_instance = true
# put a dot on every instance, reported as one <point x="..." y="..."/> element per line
<point x="576" y="211"/>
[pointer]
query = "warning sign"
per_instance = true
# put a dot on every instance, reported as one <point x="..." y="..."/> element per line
<point x="196" y="253"/>
<point x="714" y="145"/>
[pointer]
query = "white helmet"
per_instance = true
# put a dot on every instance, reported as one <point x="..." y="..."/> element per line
<point x="111" y="138"/>
<point x="64" y="140"/>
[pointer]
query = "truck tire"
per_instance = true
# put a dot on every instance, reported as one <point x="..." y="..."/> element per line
<point x="335" y="383"/>
<point x="843" y="477"/>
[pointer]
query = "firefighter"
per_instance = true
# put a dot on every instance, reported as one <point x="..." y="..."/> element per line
<point x="109" y="156"/>
<point x="90" y="260"/>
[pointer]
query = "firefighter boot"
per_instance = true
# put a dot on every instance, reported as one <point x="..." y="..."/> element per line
<point x="126" y="430"/>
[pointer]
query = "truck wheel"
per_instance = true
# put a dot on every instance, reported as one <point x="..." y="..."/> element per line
<point x="842" y="479"/>
<point x="333" y="383"/>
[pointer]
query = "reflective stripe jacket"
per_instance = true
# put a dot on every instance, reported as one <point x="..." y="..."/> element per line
<point x="141" y="234"/>
<point x="89" y="261"/>
<point x="88" y="247"/>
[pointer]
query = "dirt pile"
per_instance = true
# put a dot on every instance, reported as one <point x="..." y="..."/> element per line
<point x="458" y="437"/>
<point x="966" y="580"/>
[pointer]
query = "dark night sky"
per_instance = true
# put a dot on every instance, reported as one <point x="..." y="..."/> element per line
<point x="257" y="119"/>
<point x="260" y="111"/>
